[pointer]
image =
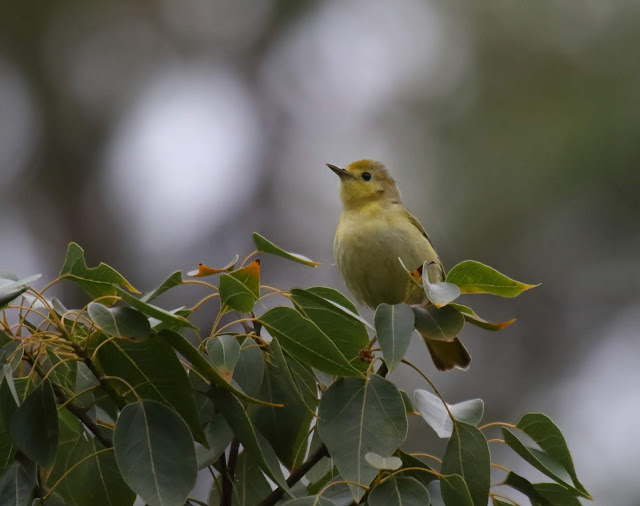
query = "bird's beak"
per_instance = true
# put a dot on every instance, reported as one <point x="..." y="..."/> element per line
<point x="342" y="174"/>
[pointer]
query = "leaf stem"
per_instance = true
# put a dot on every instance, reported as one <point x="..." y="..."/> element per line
<point x="435" y="390"/>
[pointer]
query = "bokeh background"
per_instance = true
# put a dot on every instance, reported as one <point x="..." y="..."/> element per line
<point x="161" y="133"/>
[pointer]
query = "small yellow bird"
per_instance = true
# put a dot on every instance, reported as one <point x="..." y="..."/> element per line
<point x="375" y="229"/>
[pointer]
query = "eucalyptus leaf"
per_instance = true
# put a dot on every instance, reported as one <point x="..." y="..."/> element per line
<point x="399" y="490"/>
<point x="467" y="455"/>
<point x="470" y="316"/>
<point x="394" y="327"/>
<point x="454" y="491"/>
<point x="476" y="277"/>
<point x="384" y="463"/>
<point x="434" y="413"/>
<point x="97" y="281"/>
<point x="439" y="293"/>
<point x="441" y="324"/>
<point x="174" y="280"/>
<point x="17" y="484"/>
<point x="34" y="425"/>
<point x="267" y="246"/>
<point x="358" y="416"/>
<point x="170" y="318"/>
<point x="240" y="289"/>
<point x="224" y="352"/>
<point x="11" y="289"/>
<point x="155" y="453"/>
<point x="119" y="321"/>
<point x="304" y="340"/>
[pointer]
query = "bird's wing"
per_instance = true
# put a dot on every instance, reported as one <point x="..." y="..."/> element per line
<point x="414" y="221"/>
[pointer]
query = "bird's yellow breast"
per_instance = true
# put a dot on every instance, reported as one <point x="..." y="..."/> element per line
<point x="367" y="245"/>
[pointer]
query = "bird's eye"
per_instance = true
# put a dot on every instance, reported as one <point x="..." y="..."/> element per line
<point x="366" y="176"/>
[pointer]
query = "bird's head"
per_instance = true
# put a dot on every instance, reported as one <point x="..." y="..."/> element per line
<point x="364" y="182"/>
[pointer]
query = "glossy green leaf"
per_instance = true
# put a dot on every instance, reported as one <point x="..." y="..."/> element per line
<point x="240" y="289"/>
<point x="555" y="495"/>
<point x="344" y="328"/>
<point x="249" y="369"/>
<point x="442" y="324"/>
<point x="399" y="490"/>
<point x="543" y="431"/>
<point x="119" y="321"/>
<point x="304" y="340"/>
<point x="358" y="416"/>
<point x="155" y="453"/>
<point x="454" y="491"/>
<point x="10" y="355"/>
<point x="426" y="476"/>
<point x="434" y="413"/>
<point x="383" y="463"/>
<point x="542" y="461"/>
<point x="96" y="479"/>
<point x="167" y="317"/>
<point x="174" y="280"/>
<point x="475" y="277"/>
<point x="200" y="363"/>
<point x="17" y="484"/>
<point x="153" y="369"/>
<point x="224" y="352"/>
<point x="470" y="316"/>
<point x="267" y="246"/>
<point x="11" y="289"/>
<point x="34" y="425"/>
<point x="394" y="327"/>
<point x="285" y="428"/>
<point x="310" y="501"/>
<point x="97" y="281"/>
<point x="237" y="418"/>
<point x="467" y="455"/>
<point x="525" y="487"/>
<point x="439" y="293"/>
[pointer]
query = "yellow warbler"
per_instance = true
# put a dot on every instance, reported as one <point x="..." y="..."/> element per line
<point x="375" y="229"/>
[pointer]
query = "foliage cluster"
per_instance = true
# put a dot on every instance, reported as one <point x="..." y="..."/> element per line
<point x="122" y="398"/>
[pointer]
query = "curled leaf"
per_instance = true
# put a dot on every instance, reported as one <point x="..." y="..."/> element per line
<point x="204" y="270"/>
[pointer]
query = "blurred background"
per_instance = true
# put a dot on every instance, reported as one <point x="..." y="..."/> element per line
<point x="159" y="134"/>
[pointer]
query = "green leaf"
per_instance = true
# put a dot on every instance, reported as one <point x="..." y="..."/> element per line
<point x="224" y="352"/>
<point x="219" y="436"/>
<point x="17" y="484"/>
<point x="555" y="495"/>
<point x="542" y="461"/>
<point x="425" y="477"/>
<point x="454" y="491"/>
<point x="310" y="501"/>
<point x="11" y="289"/>
<point x="543" y="431"/>
<point x="155" y="453"/>
<point x="285" y="428"/>
<point x="97" y="281"/>
<point x="475" y="277"/>
<point x="119" y="321"/>
<point x="249" y="484"/>
<point x="267" y="246"/>
<point x="96" y="479"/>
<point x="442" y="324"/>
<point x="439" y="293"/>
<point x="470" y="316"/>
<point x="358" y="416"/>
<point x="337" y="298"/>
<point x="384" y="463"/>
<point x="64" y="374"/>
<point x="304" y="340"/>
<point x="174" y="280"/>
<point x="34" y="425"/>
<point x="167" y="317"/>
<point x="10" y="355"/>
<point x="525" y="487"/>
<point x="434" y="413"/>
<point x="240" y="289"/>
<point x="399" y="490"/>
<point x="249" y="369"/>
<point x="252" y="441"/>
<point x="394" y="327"/>
<point x="200" y="363"/>
<point x="467" y="455"/>
<point x="54" y="499"/>
<point x="152" y="368"/>
<point x="344" y="328"/>
<point x="12" y="392"/>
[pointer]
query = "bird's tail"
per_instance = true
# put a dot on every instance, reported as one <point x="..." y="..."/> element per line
<point x="448" y="354"/>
